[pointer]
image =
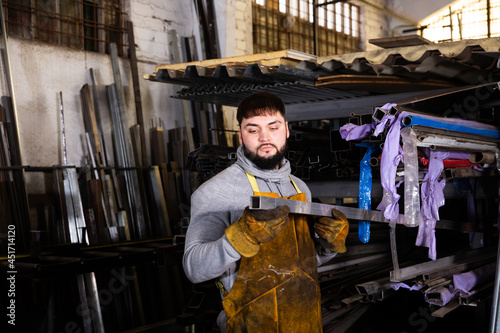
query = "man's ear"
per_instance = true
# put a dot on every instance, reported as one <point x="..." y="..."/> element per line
<point x="239" y="136"/>
<point x="287" y="130"/>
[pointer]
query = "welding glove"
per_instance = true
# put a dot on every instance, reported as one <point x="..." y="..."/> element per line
<point x="333" y="231"/>
<point x="256" y="227"/>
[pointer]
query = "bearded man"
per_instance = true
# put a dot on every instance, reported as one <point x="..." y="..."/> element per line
<point x="264" y="261"/>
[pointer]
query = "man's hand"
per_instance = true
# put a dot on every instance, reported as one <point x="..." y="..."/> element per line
<point x="333" y="230"/>
<point x="256" y="227"/>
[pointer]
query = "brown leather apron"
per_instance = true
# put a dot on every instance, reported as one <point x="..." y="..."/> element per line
<point x="277" y="290"/>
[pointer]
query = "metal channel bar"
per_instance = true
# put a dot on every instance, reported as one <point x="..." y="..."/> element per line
<point x="431" y="266"/>
<point x="352" y="262"/>
<point x="319" y="209"/>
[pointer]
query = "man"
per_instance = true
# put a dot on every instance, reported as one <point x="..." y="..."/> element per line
<point x="264" y="260"/>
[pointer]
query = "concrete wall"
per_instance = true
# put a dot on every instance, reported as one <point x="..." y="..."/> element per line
<point x="41" y="71"/>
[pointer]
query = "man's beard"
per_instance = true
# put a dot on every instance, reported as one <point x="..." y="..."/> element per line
<point x="266" y="163"/>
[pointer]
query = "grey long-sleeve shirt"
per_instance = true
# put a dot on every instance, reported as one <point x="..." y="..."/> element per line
<point x="219" y="202"/>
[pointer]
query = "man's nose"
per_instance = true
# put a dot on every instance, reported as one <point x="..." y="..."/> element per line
<point x="264" y="135"/>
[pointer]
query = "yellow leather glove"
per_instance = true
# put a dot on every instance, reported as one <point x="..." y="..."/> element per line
<point x="333" y="231"/>
<point x="256" y="227"/>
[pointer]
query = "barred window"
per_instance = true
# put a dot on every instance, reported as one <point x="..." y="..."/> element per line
<point x="464" y="19"/>
<point x="84" y="24"/>
<point x="289" y="24"/>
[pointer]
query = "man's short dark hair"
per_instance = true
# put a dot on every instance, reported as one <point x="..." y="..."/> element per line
<point x="259" y="104"/>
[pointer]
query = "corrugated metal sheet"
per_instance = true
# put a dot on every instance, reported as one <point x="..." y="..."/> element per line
<point x="303" y="78"/>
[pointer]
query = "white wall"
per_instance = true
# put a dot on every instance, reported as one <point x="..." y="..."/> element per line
<point x="41" y="71"/>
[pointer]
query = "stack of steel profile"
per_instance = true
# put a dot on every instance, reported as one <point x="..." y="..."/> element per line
<point x="12" y="176"/>
<point x="14" y="207"/>
<point x="209" y="160"/>
<point x="71" y="226"/>
<point x="106" y="203"/>
<point x="136" y="210"/>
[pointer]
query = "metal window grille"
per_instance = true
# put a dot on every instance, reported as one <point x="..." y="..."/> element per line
<point x="289" y="24"/>
<point x="465" y="19"/>
<point x="84" y="24"/>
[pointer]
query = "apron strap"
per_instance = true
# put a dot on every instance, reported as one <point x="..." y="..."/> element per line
<point x="255" y="187"/>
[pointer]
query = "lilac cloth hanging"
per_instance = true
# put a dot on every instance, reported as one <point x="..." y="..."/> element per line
<point x="432" y="197"/>
<point x="392" y="154"/>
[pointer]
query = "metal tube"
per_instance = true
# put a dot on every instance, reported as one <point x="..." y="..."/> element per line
<point x="318" y="209"/>
<point x="494" y="323"/>
<point x="443" y="123"/>
<point x="410" y="272"/>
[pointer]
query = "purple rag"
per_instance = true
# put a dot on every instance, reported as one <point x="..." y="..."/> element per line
<point x="432" y="197"/>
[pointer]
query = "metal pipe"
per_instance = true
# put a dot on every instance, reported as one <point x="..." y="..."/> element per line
<point x="409" y="272"/>
<point x="444" y="123"/>
<point x="482" y="158"/>
<point x="318" y="209"/>
<point x="494" y="322"/>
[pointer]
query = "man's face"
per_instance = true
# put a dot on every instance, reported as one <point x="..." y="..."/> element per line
<point x="264" y="139"/>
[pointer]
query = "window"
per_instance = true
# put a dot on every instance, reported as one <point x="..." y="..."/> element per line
<point x="85" y="24"/>
<point x="465" y="19"/>
<point x="289" y="24"/>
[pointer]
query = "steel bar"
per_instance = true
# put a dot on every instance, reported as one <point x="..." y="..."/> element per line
<point x="319" y="209"/>
<point x="431" y="266"/>
<point x="447" y="143"/>
<point x="122" y="150"/>
<point x="450" y="307"/>
<point x="396" y="273"/>
<point x="352" y="299"/>
<point x="137" y="91"/>
<point x="70" y="202"/>
<point x="98" y="121"/>
<point x="176" y="48"/>
<point x="438" y="282"/>
<point x="18" y="173"/>
<point x="91" y="123"/>
<point x="479" y="294"/>
<point x="95" y="307"/>
<point x="495" y="306"/>
<point x="452" y="269"/>
<point x="160" y="206"/>
<point x="347" y="263"/>
<point x="423" y="131"/>
<point x="15" y="143"/>
<point x="353" y="316"/>
<point x="452" y="125"/>
<point x="84" y="305"/>
<point x="9" y="179"/>
<point x="10" y="83"/>
<point x="70" y="194"/>
<point x="374" y="287"/>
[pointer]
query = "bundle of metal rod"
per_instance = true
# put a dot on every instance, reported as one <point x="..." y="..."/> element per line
<point x="166" y="177"/>
<point x="9" y="210"/>
<point x="136" y="210"/>
<point x="90" y="303"/>
<point x="409" y="272"/>
<point x="11" y="158"/>
<point x="72" y="219"/>
<point x="130" y="185"/>
<point x="21" y="203"/>
<point x="160" y="222"/>
<point x="98" y="159"/>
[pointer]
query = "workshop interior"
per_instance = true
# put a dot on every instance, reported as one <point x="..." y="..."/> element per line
<point x="113" y="112"/>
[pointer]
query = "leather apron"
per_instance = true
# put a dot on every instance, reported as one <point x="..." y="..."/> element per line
<point x="277" y="290"/>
